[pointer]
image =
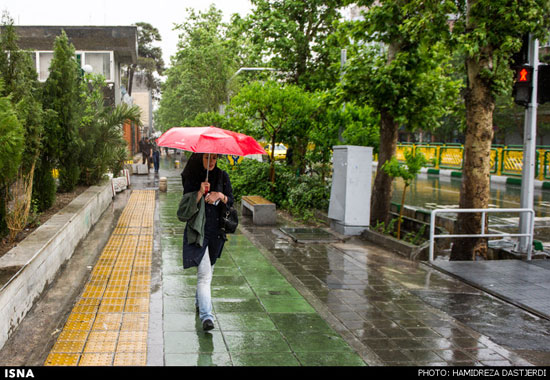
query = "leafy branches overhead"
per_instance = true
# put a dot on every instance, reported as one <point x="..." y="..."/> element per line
<point x="62" y="94"/>
<point x="293" y="35"/>
<point x="20" y="82"/>
<point x="149" y="59"/>
<point x="402" y="70"/>
<point x="411" y="79"/>
<point x="196" y="82"/>
<point x="11" y="140"/>
<point x="492" y="31"/>
<point x="487" y="33"/>
<point x="100" y="129"/>
<point x="408" y="171"/>
<point x="279" y="112"/>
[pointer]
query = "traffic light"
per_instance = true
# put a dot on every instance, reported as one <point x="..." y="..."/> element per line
<point x="523" y="85"/>
<point x="543" y="84"/>
<point x="522" y="56"/>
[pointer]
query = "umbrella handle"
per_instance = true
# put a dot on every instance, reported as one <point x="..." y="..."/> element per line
<point x="207" y="168"/>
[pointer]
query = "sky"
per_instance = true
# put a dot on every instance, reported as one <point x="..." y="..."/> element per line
<point x="162" y="14"/>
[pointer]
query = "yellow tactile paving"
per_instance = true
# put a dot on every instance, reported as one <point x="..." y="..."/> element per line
<point x="108" y="324"/>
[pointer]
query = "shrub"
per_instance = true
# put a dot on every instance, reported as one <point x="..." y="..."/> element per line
<point x="300" y="195"/>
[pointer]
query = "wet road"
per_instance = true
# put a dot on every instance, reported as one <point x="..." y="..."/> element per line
<point x="432" y="191"/>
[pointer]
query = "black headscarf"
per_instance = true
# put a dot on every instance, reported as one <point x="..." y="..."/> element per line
<point x="194" y="173"/>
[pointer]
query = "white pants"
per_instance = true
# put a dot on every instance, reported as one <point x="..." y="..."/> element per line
<point x="203" y="297"/>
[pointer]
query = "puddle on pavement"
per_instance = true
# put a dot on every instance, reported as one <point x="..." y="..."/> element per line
<point x="309" y="235"/>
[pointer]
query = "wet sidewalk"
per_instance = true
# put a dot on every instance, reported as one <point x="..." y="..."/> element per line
<point x="260" y="318"/>
<point x="389" y="310"/>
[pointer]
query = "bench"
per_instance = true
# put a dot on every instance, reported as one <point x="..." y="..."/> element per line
<point x="262" y="210"/>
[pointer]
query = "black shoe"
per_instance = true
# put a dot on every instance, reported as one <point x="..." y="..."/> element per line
<point x="207" y="325"/>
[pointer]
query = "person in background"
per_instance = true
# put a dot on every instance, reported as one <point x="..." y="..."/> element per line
<point x="156" y="155"/>
<point x="146" y="152"/>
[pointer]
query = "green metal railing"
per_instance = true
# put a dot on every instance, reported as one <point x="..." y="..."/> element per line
<point x="505" y="160"/>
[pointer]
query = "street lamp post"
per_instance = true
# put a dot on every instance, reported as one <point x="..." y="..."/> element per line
<point x="222" y="107"/>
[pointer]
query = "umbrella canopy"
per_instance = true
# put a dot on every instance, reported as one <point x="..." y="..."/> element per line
<point x="210" y="140"/>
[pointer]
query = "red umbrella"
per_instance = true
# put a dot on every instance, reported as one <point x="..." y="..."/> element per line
<point x="210" y="140"/>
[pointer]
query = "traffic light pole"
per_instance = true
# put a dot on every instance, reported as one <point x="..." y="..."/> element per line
<point x="529" y="153"/>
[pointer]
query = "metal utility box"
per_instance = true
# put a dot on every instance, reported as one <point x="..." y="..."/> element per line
<point x="349" y="209"/>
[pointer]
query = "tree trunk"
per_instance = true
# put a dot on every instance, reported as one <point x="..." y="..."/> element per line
<point x="131" y="69"/>
<point x="300" y="150"/>
<point x="382" y="190"/>
<point x="272" y="163"/>
<point x="401" y="211"/>
<point x="474" y="192"/>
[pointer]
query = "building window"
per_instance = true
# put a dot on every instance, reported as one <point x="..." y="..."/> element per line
<point x="44" y="60"/>
<point x="100" y="62"/>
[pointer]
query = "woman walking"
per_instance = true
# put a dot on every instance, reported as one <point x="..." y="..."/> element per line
<point x="203" y="240"/>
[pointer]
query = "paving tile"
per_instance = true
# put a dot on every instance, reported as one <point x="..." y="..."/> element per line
<point x="233" y="305"/>
<point x="255" y="341"/>
<point x="318" y="342"/>
<point x="180" y="321"/>
<point x="300" y="322"/>
<point x="233" y="291"/>
<point x="200" y="360"/>
<point x="173" y="304"/>
<point x="392" y="356"/>
<point x="116" y="298"/>
<point x="245" y="321"/>
<point x="270" y="359"/>
<point x="286" y="305"/>
<point x="177" y="342"/>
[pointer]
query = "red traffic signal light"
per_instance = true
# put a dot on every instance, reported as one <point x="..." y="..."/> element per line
<point x="523" y="85"/>
<point x="524" y="74"/>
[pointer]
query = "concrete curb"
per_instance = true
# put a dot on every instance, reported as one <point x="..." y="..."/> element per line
<point x="37" y="258"/>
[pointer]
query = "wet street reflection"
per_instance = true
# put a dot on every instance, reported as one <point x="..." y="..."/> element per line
<point x="407" y="313"/>
<point x="431" y="192"/>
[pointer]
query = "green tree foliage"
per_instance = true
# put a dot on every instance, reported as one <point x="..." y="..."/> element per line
<point x="103" y="145"/>
<point x="408" y="83"/>
<point x="20" y="81"/>
<point x="21" y="85"/>
<point x="11" y="150"/>
<point x="339" y="124"/>
<point x="487" y="33"/>
<point x="150" y="59"/>
<point x="11" y="140"/>
<point x="407" y="171"/>
<point x="293" y="36"/>
<point x="62" y="92"/>
<point x="196" y="82"/>
<point x="300" y="195"/>
<point x="274" y="112"/>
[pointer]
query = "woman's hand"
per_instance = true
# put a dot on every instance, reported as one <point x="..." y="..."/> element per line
<point x="215" y="196"/>
<point x="205" y="188"/>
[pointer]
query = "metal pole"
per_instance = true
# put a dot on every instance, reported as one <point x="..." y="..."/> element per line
<point x="240" y="71"/>
<point x="529" y="151"/>
<point x="432" y="233"/>
<point x="343" y="59"/>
